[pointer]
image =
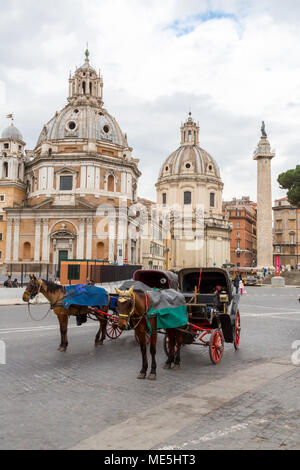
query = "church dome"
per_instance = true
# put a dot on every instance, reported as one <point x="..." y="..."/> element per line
<point x="189" y="160"/>
<point x="84" y="118"/>
<point x="83" y="122"/>
<point x="11" y="132"/>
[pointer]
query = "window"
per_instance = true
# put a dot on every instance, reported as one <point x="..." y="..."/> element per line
<point x="6" y="146"/>
<point x="238" y="245"/>
<point x="164" y="199"/>
<point x="238" y="214"/>
<point x="1" y="237"/>
<point x="74" y="272"/>
<point x="0" y="254"/>
<point x="238" y="234"/>
<point x="2" y="198"/>
<point x="111" y="184"/>
<point x="238" y="225"/>
<point x="5" y="170"/>
<point x="292" y="238"/>
<point x="212" y="199"/>
<point x="66" y="183"/>
<point x="277" y="249"/>
<point x="1" y="218"/>
<point x="187" y="198"/>
<point x="238" y="255"/>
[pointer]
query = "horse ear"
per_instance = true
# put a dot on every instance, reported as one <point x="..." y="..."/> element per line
<point x="131" y="291"/>
<point x="118" y="291"/>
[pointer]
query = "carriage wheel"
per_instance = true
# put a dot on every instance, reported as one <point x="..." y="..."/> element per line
<point x="237" y="331"/>
<point x="148" y="338"/>
<point x="216" y="346"/>
<point x="112" y="330"/>
<point x="167" y="346"/>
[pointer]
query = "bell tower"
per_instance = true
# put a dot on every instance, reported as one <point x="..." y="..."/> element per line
<point x="190" y="132"/>
<point x="86" y="86"/>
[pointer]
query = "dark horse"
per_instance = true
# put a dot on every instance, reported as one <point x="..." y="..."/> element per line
<point x="55" y="293"/>
<point x="133" y="308"/>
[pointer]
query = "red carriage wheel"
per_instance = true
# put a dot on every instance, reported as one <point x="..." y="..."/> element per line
<point x="237" y="330"/>
<point x="148" y="338"/>
<point x="112" y="330"/>
<point x="167" y="346"/>
<point x="216" y="346"/>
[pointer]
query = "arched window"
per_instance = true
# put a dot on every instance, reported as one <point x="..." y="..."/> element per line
<point x="19" y="171"/>
<point x="187" y="198"/>
<point x="111" y="183"/>
<point x="212" y="199"/>
<point x="164" y="199"/>
<point x="83" y="87"/>
<point x="91" y="88"/>
<point x="27" y="251"/>
<point x="5" y="170"/>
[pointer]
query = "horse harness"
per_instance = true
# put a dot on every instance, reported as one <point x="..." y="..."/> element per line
<point x="130" y="315"/>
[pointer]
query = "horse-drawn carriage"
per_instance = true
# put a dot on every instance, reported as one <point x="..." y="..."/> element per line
<point x="212" y="309"/>
<point x="195" y="307"/>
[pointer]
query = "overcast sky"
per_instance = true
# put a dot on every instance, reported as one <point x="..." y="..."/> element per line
<point x="233" y="62"/>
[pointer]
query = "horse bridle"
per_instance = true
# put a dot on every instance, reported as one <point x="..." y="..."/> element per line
<point x="125" y="298"/>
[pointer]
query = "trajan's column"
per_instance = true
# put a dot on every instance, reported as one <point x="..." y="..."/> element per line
<point x="263" y="156"/>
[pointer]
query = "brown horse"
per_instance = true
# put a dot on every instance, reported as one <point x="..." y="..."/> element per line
<point x="55" y="293"/>
<point x="133" y="308"/>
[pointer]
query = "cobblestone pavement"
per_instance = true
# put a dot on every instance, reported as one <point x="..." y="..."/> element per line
<point x="54" y="400"/>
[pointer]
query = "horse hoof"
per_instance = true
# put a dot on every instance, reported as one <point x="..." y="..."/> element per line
<point x="152" y="377"/>
<point x="177" y="367"/>
<point x="61" y="349"/>
<point x="141" y="376"/>
<point x="98" y="343"/>
<point x="167" y="366"/>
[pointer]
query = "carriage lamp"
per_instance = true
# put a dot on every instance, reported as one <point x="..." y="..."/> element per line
<point x="224" y="298"/>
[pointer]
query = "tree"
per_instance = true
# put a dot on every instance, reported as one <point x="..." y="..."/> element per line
<point x="290" y="180"/>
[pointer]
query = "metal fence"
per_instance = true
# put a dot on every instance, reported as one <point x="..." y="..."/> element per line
<point x="104" y="274"/>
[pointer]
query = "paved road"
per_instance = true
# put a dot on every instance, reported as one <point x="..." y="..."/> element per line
<point x="90" y="398"/>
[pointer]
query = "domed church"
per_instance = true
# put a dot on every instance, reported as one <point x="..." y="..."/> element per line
<point x="189" y="188"/>
<point x="53" y="199"/>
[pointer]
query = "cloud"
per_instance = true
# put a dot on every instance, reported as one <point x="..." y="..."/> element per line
<point x="235" y="63"/>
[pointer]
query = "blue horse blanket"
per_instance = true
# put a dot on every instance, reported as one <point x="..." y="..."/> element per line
<point x="88" y="296"/>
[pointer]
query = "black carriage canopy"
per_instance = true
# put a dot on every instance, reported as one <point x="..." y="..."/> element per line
<point x="157" y="279"/>
<point x="206" y="280"/>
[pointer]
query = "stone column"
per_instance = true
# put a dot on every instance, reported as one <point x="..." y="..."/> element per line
<point x="8" y="239"/>
<point x="37" y="241"/>
<point x="263" y="156"/>
<point x="80" y="240"/>
<point x="111" y="239"/>
<point x="89" y="238"/>
<point x="16" y="240"/>
<point x="45" y="245"/>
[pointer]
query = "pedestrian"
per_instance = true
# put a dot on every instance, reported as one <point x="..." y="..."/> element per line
<point x="8" y="282"/>
<point x="15" y="284"/>
<point x="236" y="283"/>
<point x="241" y="287"/>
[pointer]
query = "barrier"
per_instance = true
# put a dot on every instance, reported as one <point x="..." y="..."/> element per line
<point x="14" y="296"/>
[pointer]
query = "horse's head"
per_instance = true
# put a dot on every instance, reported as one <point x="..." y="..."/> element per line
<point x="125" y="307"/>
<point x="33" y="289"/>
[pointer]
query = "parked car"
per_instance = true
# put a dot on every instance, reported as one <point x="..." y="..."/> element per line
<point x="251" y="281"/>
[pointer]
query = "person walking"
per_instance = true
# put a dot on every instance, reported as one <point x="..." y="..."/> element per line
<point x="241" y="286"/>
<point x="236" y="283"/>
<point x="15" y="283"/>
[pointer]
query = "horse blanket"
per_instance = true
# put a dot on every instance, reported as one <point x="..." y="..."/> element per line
<point x="169" y="307"/>
<point x="87" y="296"/>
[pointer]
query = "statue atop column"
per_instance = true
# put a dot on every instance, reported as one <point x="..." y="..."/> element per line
<point x="263" y="130"/>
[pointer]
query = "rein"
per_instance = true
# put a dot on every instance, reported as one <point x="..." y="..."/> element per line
<point x="131" y="313"/>
<point x="55" y="304"/>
